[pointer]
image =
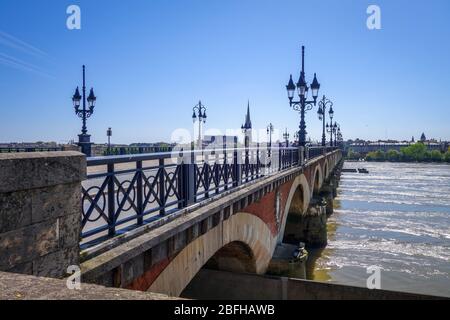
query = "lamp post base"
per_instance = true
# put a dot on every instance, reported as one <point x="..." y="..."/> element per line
<point x="84" y="141"/>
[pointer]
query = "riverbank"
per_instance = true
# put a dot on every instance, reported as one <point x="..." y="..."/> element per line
<point x="417" y="152"/>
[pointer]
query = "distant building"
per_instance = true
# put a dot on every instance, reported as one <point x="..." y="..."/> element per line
<point x="370" y="146"/>
<point x="247" y="127"/>
<point x="423" y="138"/>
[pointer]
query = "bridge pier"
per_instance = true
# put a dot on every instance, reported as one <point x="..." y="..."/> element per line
<point x="310" y="227"/>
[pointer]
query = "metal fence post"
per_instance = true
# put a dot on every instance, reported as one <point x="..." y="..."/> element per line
<point x="301" y="155"/>
<point x="162" y="187"/>
<point x="225" y="164"/>
<point x="139" y="193"/>
<point x="216" y="169"/>
<point x="189" y="180"/>
<point x="257" y="160"/>
<point x="111" y="201"/>
<point x="280" y="157"/>
<point x="236" y="165"/>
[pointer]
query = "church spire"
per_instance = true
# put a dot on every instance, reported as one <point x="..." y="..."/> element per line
<point x="248" y="122"/>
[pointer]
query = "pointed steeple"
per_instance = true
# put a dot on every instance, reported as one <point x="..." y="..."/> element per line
<point x="248" y="122"/>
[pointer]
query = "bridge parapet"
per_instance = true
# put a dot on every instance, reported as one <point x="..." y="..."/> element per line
<point x="39" y="211"/>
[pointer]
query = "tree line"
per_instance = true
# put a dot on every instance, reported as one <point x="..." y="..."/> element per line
<point x="417" y="152"/>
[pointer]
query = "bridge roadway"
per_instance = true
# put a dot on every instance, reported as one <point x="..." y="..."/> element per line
<point x="226" y="215"/>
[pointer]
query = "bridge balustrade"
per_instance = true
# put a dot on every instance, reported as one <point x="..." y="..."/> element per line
<point x="123" y="192"/>
<point x="29" y="149"/>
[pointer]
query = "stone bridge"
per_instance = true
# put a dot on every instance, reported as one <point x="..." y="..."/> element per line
<point x="237" y="230"/>
<point x="225" y="215"/>
<point x="221" y="245"/>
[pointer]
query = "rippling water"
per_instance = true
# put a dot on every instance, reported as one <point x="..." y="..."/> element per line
<point x="396" y="217"/>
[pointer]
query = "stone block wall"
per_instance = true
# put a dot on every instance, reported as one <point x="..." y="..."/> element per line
<point x="40" y="205"/>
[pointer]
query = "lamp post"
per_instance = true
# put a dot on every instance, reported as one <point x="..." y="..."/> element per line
<point x="109" y="134"/>
<point x="296" y="137"/>
<point x="332" y="129"/>
<point x="269" y="133"/>
<point x="286" y="137"/>
<point x="336" y="130"/>
<point x="323" y="105"/>
<point x="303" y="104"/>
<point x="339" y="136"/>
<point x="199" y="111"/>
<point x="331" y="114"/>
<point x="84" y="139"/>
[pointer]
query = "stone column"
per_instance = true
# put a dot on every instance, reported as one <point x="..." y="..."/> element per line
<point x="328" y="193"/>
<point x="40" y="211"/>
<point x="310" y="227"/>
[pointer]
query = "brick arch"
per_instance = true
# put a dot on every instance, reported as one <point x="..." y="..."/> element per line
<point x="241" y="227"/>
<point x="317" y="174"/>
<point x="300" y="181"/>
<point x="326" y="169"/>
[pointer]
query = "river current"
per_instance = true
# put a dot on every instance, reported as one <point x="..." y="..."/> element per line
<point x="397" y="218"/>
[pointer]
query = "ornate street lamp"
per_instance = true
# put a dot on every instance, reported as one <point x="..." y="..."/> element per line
<point x="303" y="104"/>
<point x="84" y="139"/>
<point x="286" y="137"/>
<point x="323" y="105"/>
<point x="199" y="111"/>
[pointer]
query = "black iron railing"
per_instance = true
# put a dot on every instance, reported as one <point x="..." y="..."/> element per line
<point x="29" y="149"/>
<point x="123" y="192"/>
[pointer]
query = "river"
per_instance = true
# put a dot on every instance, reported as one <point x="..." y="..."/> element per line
<point x="397" y="218"/>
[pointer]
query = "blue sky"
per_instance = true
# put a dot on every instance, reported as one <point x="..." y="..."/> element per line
<point x="150" y="61"/>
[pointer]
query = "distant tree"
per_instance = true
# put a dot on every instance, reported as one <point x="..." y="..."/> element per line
<point x="376" y="156"/>
<point x="414" y="152"/>
<point x="352" y="155"/>
<point x="436" y="156"/>
<point x="393" y="155"/>
<point x="446" y="156"/>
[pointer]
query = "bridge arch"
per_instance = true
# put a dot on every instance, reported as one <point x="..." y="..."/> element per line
<point x="317" y="180"/>
<point x="326" y="172"/>
<point x="236" y="256"/>
<point x="243" y="241"/>
<point x="296" y="203"/>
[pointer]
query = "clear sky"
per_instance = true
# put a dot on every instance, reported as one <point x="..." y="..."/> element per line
<point x="150" y="61"/>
